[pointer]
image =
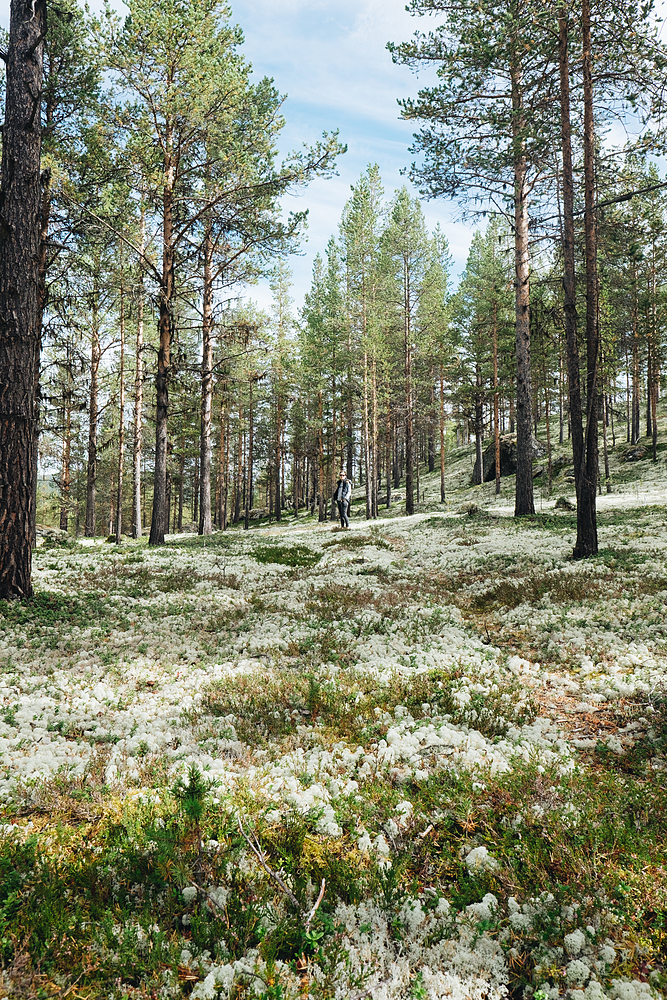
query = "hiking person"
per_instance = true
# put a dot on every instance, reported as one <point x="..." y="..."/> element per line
<point x="342" y="496"/>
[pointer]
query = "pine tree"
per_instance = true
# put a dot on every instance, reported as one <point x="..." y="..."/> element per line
<point x="20" y="300"/>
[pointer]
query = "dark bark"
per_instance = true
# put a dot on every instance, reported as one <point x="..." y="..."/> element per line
<point x="251" y="448"/>
<point x="569" y="277"/>
<point x="138" y="398"/>
<point x="205" y="527"/>
<point x="20" y="308"/>
<point x="587" y="536"/>
<point x="524" y="432"/>
<point x="409" y="423"/>
<point x="160" y="517"/>
<point x="636" y="368"/>
<point x="496" y="398"/>
<point x="479" y="427"/>
<point x="121" y="411"/>
<point x="65" y="472"/>
<point x="442" y="436"/>
<point x="93" y="413"/>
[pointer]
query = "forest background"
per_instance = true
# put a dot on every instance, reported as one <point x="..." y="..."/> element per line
<point x="168" y="398"/>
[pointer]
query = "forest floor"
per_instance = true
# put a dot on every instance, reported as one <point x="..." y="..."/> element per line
<point x="455" y="726"/>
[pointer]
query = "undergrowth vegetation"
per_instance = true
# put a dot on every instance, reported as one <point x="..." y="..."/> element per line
<point x="424" y="759"/>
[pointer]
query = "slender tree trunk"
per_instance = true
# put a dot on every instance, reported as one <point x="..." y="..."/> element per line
<point x="366" y="442"/>
<point x="121" y="410"/>
<point x="409" y="425"/>
<point x="479" y="457"/>
<point x="442" y="436"/>
<point x="496" y="397"/>
<point x="20" y="311"/>
<point x="195" y="493"/>
<point x="587" y="537"/>
<point x="636" y="368"/>
<point x="138" y="395"/>
<point x="607" y="475"/>
<point x="374" y="439"/>
<point x="654" y="380"/>
<point x="548" y="425"/>
<point x="388" y="450"/>
<point x="569" y="277"/>
<point x="224" y="461"/>
<point x="205" y="526"/>
<point x="181" y="483"/>
<point x="524" y="503"/>
<point x="65" y="472"/>
<point x="320" y="459"/>
<point x="160" y="517"/>
<point x="93" y="416"/>
<point x="251" y="445"/>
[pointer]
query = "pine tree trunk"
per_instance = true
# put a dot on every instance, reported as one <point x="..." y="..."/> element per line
<point x="636" y="369"/>
<point x="20" y="311"/>
<point x="374" y="440"/>
<point x="524" y="432"/>
<point x="587" y="536"/>
<point x="442" y="436"/>
<point x="138" y="395"/>
<point x="496" y="398"/>
<point x="278" y="453"/>
<point x="205" y="526"/>
<point x="479" y="427"/>
<point x="251" y="450"/>
<point x="93" y="415"/>
<point x="121" y="408"/>
<point x="181" y="484"/>
<point x="409" y="424"/>
<point x="524" y="503"/>
<point x="160" y="517"/>
<point x="65" y="471"/>
<point x="43" y="265"/>
<point x="607" y="475"/>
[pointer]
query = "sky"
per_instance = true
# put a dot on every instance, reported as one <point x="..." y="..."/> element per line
<point x="329" y="58"/>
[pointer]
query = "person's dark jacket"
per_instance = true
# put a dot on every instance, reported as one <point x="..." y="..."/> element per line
<point x="343" y="490"/>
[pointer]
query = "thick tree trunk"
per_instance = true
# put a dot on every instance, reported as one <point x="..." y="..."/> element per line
<point x="160" y="516"/>
<point x="20" y="309"/>
<point x="43" y="296"/>
<point x="205" y="526"/>
<point x="587" y="536"/>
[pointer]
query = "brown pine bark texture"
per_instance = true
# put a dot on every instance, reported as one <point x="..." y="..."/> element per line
<point x="20" y="310"/>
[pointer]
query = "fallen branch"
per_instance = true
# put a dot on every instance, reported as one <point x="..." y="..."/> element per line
<point x="315" y="908"/>
<point x="259" y="854"/>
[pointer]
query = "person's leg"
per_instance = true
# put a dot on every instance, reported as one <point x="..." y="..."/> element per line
<point x="345" y="521"/>
<point x="341" y="512"/>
